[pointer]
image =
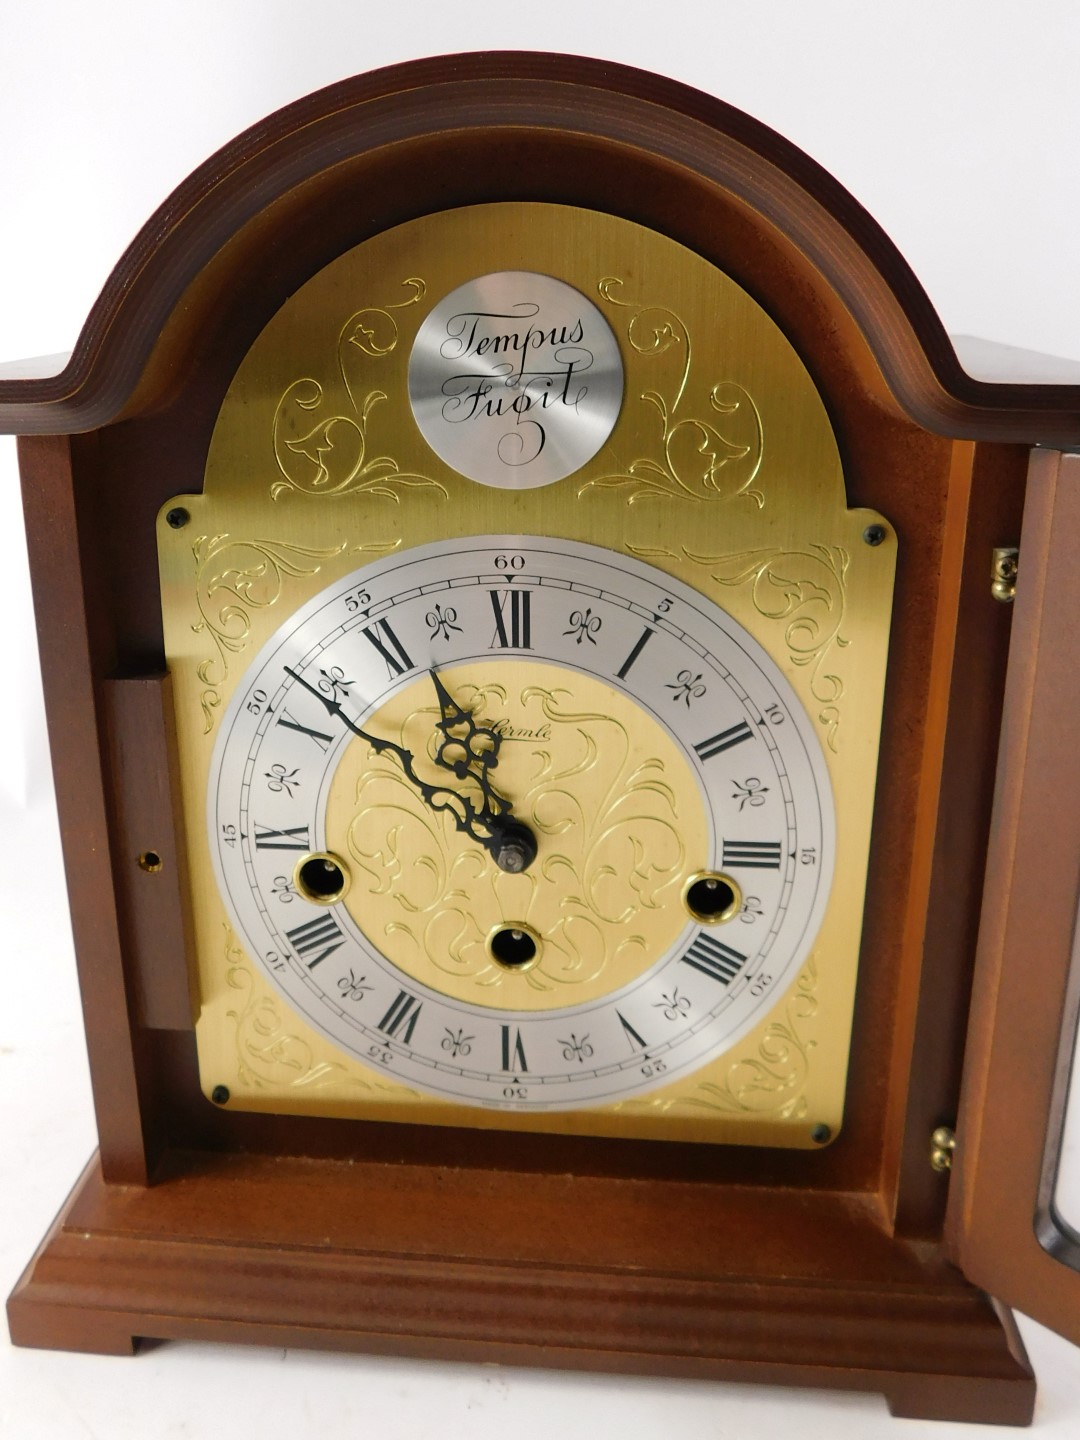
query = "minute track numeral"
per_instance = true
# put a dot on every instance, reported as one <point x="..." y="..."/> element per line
<point x="401" y="1017"/>
<point x="320" y="935"/>
<point x="295" y="838"/>
<point x="717" y="744"/>
<point x="389" y="647"/>
<point x="714" y="959"/>
<point x="513" y="605"/>
<point x="752" y="854"/>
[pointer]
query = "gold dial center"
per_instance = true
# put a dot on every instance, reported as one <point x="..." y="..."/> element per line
<point x="617" y="812"/>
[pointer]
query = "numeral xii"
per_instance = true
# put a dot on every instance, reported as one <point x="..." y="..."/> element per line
<point x="512" y="606"/>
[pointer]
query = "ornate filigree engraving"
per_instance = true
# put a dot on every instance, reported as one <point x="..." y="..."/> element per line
<point x="268" y="1055"/>
<point x="769" y="1082"/>
<point x="232" y="578"/>
<point x="330" y="457"/>
<point x="772" y="1082"/>
<point x="806" y="590"/>
<point x="619" y="829"/>
<point x="696" y="461"/>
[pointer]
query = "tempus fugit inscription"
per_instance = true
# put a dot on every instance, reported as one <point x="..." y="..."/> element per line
<point x="515" y="379"/>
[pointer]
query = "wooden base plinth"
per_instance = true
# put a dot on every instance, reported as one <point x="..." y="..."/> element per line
<point x="588" y="1274"/>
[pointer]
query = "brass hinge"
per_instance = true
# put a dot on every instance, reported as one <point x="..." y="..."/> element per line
<point x="1003" y="571"/>
<point x="942" y="1145"/>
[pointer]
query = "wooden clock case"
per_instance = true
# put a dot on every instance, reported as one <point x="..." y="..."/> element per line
<point x="835" y="1268"/>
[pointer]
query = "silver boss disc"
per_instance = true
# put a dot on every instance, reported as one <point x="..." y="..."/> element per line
<point x="515" y="379"/>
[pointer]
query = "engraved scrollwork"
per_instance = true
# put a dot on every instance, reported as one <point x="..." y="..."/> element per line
<point x="232" y="578"/>
<point x="772" y="1082"/>
<point x="714" y="458"/>
<point x="268" y="1055"/>
<point x="608" y="821"/>
<point x="805" y="588"/>
<point x="330" y="457"/>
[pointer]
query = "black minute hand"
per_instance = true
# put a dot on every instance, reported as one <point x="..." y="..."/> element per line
<point x="483" y="826"/>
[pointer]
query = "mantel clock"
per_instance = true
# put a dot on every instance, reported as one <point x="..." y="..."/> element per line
<point x="526" y="547"/>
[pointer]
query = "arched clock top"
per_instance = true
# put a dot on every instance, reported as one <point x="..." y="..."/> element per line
<point x="673" y="158"/>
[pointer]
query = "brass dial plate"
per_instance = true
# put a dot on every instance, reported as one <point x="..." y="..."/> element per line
<point x="721" y="471"/>
<point x="629" y="791"/>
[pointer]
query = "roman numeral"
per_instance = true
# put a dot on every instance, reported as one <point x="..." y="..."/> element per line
<point x="321" y="934"/>
<point x="716" y="744"/>
<point x="514" y="603"/>
<point x="402" y="1015"/>
<point x="321" y="740"/>
<point x="714" y="959"/>
<point x="643" y="639"/>
<point x="294" y="839"/>
<point x="396" y="657"/>
<point x="513" y="1050"/>
<point x="636" y="1042"/>
<point x="752" y="854"/>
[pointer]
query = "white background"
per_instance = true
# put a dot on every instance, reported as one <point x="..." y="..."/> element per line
<point x="956" y="125"/>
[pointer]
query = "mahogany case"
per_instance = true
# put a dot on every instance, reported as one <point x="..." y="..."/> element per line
<point x="837" y="1268"/>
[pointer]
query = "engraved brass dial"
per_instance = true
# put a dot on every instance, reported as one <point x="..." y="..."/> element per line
<point x="720" y="475"/>
<point x="637" y="732"/>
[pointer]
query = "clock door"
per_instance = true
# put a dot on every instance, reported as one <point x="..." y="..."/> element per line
<point x="1014" y="1215"/>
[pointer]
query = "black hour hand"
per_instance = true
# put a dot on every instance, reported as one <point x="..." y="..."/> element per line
<point x="511" y="845"/>
<point x="470" y="751"/>
<point x="465" y="748"/>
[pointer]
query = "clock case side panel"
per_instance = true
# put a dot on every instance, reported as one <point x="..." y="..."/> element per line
<point x="951" y="827"/>
<point x="77" y="647"/>
<point x="308" y="215"/>
<point x="1001" y="1223"/>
